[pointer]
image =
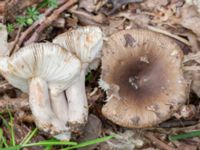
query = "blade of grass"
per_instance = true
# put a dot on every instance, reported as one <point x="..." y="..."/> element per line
<point x="11" y="123"/>
<point x="28" y="137"/>
<point x="184" y="135"/>
<point x="91" y="142"/>
<point x="49" y="143"/>
<point x="48" y="148"/>
<point x="3" y="138"/>
<point x="5" y="123"/>
<point x="12" y="148"/>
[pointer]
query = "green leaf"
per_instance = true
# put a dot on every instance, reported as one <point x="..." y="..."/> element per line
<point x="32" y="13"/>
<point x="10" y="28"/>
<point x="91" y="142"/>
<point x="11" y="124"/>
<point x="50" y="142"/>
<point x="48" y="3"/>
<point x="89" y="76"/>
<point x="52" y="3"/>
<point x="29" y="21"/>
<point x="29" y="136"/>
<point x="21" y="20"/>
<point x="12" y="148"/>
<point x="184" y="135"/>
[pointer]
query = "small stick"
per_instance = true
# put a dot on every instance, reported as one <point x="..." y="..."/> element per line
<point x="30" y="29"/>
<point x="158" y="142"/>
<point x="97" y="18"/>
<point x="191" y="56"/>
<point x="49" y="20"/>
<point x="191" y="68"/>
<point x="16" y="40"/>
<point x="169" y="34"/>
<point x="4" y="85"/>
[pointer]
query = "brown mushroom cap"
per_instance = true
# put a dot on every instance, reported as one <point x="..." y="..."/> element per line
<point x="142" y="75"/>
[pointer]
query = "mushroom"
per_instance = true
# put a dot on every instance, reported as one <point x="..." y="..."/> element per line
<point x="85" y="43"/>
<point x="37" y="69"/>
<point x="142" y="76"/>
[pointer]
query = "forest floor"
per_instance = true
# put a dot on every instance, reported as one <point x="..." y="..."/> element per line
<point x="41" y="20"/>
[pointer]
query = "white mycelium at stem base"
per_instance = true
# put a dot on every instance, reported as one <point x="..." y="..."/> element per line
<point x="86" y="44"/>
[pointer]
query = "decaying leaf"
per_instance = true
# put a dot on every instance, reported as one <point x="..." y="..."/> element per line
<point x="149" y="4"/>
<point x="116" y="4"/>
<point x="92" y="130"/>
<point x="126" y="141"/>
<point x="88" y="5"/>
<point x="190" y="19"/>
<point x="196" y="3"/>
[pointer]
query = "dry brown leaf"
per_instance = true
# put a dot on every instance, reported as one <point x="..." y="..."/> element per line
<point x="194" y="2"/>
<point x="92" y="130"/>
<point x="89" y="5"/>
<point x="190" y="19"/>
<point x="127" y="140"/>
<point x="153" y="4"/>
<point x="116" y="4"/>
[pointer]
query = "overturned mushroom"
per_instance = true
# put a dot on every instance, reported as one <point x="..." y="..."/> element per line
<point x="142" y="75"/>
<point x="85" y="43"/>
<point x="36" y="69"/>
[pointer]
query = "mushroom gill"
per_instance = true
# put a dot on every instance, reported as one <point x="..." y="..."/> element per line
<point x="142" y="75"/>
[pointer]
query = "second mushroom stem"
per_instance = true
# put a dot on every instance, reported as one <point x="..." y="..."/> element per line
<point x="77" y="102"/>
<point x="41" y="107"/>
<point x="60" y="106"/>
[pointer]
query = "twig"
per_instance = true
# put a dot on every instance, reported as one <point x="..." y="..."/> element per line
<point x="16" y="40"/>
<point x="158" y="142"/>
<point x="191" y="68"/>
<point x="192" y="56"/>
<point x="169" y="34"/>
<point x="13" y="104"/>
<point x="28" y="31"/>
<point x="49" y="20"/>
<point x="98" y="18"/>
<point x="178" y="123"/>
<point x="4" y="85"/>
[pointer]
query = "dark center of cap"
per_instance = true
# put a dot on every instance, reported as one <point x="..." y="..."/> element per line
<point x="139" y="78"/>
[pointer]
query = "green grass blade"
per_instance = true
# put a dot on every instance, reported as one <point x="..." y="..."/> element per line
<point x="28" y="137"/>
<point x="5" y="123"/>
<point x="48" y="148"/>
<point x="49" y="143"/>
<point x="12" y="148"/>
<point x="3" y="139"/>
<point x="11" y="123"/>
<point x="184" y="135"/>
<point x="91" y="142"/>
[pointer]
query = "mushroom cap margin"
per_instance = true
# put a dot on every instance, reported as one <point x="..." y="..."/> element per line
<point x="164" y="84"/>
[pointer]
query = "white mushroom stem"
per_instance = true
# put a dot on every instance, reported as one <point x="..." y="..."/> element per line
<point x="41" y="108"/>
<point x="77" y="101"/>
<point x="60" y="106"/>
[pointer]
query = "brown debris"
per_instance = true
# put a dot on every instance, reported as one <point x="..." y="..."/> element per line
<point x="190" y="19"/>
<point x="177" y="19"/>
<point x="13" y="105"/>
<point x="158" y="143"/>
<point x="49" y="20"/>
